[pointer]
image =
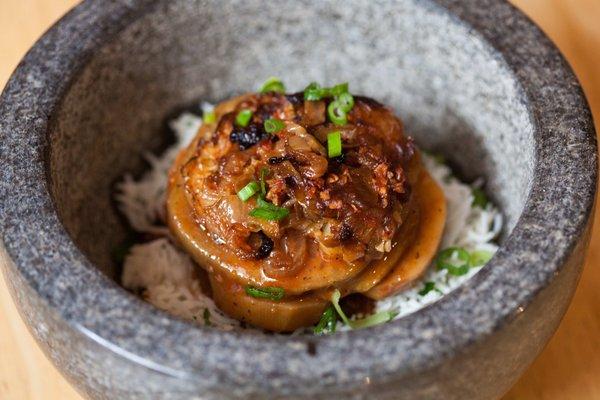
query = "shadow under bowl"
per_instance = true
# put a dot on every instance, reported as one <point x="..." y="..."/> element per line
<point x="472" y="79"/>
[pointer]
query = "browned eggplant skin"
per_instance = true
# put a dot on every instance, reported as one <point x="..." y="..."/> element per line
<point x="351" y="217"/>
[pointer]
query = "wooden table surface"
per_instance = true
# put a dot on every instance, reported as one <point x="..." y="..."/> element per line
<point x="569" y="367"/>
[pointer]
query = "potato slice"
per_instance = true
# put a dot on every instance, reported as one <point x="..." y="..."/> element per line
<point x="285" y="315"/>
<point x="419" y="254"/>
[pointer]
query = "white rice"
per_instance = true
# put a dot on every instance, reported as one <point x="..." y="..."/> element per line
<point x="165" y="274"/>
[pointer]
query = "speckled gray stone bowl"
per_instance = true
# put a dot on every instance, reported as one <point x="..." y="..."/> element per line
<point x="474" y="79"/>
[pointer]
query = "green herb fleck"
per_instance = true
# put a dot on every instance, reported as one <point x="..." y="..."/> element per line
<point x="268" y="211"/>
<point x="428" y="287"/>
<point x="273" y="84"/>
<point x="455" y="260"/>
<point x="248" y="191"/>
<point x="336" y="114"/>
<point x="273" y="125"/>
<point x="243" y="117"/>
<point x="263" y="186"/>
<point x="266" y="292"/>
<point x="334" y="144"/>
<point x="328" y="321"/>
<point x="479" y="258"/>
<point x="372" y="320"/>
<point x="209" y="117"/>
<point x="479" y="198"/>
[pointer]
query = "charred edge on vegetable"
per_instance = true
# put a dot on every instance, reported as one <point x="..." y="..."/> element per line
<point x="247" y="137"/>
<point x="266" y="246"/>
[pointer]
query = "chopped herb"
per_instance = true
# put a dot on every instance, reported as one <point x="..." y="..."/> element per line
<point x="268" y="211"/>
<point x="314" y="92"/>
<point x="336" y="114"/>
<point x="266" y="292"/>
<point x="339" y="89"/>
<point x="263" y="186"/>
<point x="428" y="287"/>
<point x="480" y="257"/>
<point x="375" y="319"/>
<point x="273" y="84"/>
<point x="479" y="198"/>
<point x="206" y="316"/>
<point x="209" y="117"/>
<point x="328" y="321"/>
<point x="243" y="118"/>
<point x="273" y="125"/>
<point x="334" y="144"/>
<point x="346" y="102"/>
<point x="455" y="260"/>
<point x="248" y="191"/>
<point x="335" y="300"/>
<point x="371" y="320"/>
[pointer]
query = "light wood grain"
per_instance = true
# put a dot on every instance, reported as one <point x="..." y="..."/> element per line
<point x="567" y="369"/>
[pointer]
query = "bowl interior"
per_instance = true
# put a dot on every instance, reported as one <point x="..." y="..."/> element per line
<point x="453" y="93"/>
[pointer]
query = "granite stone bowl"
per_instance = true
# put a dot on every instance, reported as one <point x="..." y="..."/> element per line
<point x="473" y="79"/>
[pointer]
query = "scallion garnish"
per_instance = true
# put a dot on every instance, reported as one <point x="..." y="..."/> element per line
<point x="455" y="260"/>
<point x="206" y="316"/>
<point x="268" y="211"/>
<point x="479" y="258"/>
<point x="371" y="320"/>
<point x="336" y="114"/>
<point x="334" y="144"/>
<point x="273" y="125"/>
<point x="346" y="102"/>
<point x="209" y="117"/>
<point x="248" y="191"/>
<point x="339" y="89"/>
<point x="479" y="198"/>
<point x="266" y="292"/>
<point x="313" y="92"/>
<point x="273" y="84"/>
<point x="263" y="186"/>
<point x="243" y="118"/>
<point x="375" y="319"/>
<point x="428" y="287"/>
<point x="328" y="321"/>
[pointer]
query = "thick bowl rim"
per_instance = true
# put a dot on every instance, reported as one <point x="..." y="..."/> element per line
<point x="565" y="168"/>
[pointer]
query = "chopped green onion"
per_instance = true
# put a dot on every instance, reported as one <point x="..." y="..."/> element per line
<point x="371" y="320"/>
<point x="336" y="114"/>
<point x="313" y="92"/>
<point x="206" y="316"/>
<point x="480" y="257"/>
<point x="269" y="211"/>
<point x="339" y="89"/>
<point x="209" y="117"/>
<point x="428" y="287"/>
<point x="273" y="125"/>
<point x="479" y="198"/>
<point x="455" y="260"/>
<point x="243" y="118"/>
<point x="266" y="292"/>
<point x="248" y="191"/>
<point x="334" y="144"/>
<point x="273" y="84"/>
<point x="264" y="171"/>
<point x="328" y="321"/>
<point x="375" y="319"/>
<point x="346" y="102"/>
<point x="335" y="300"/>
